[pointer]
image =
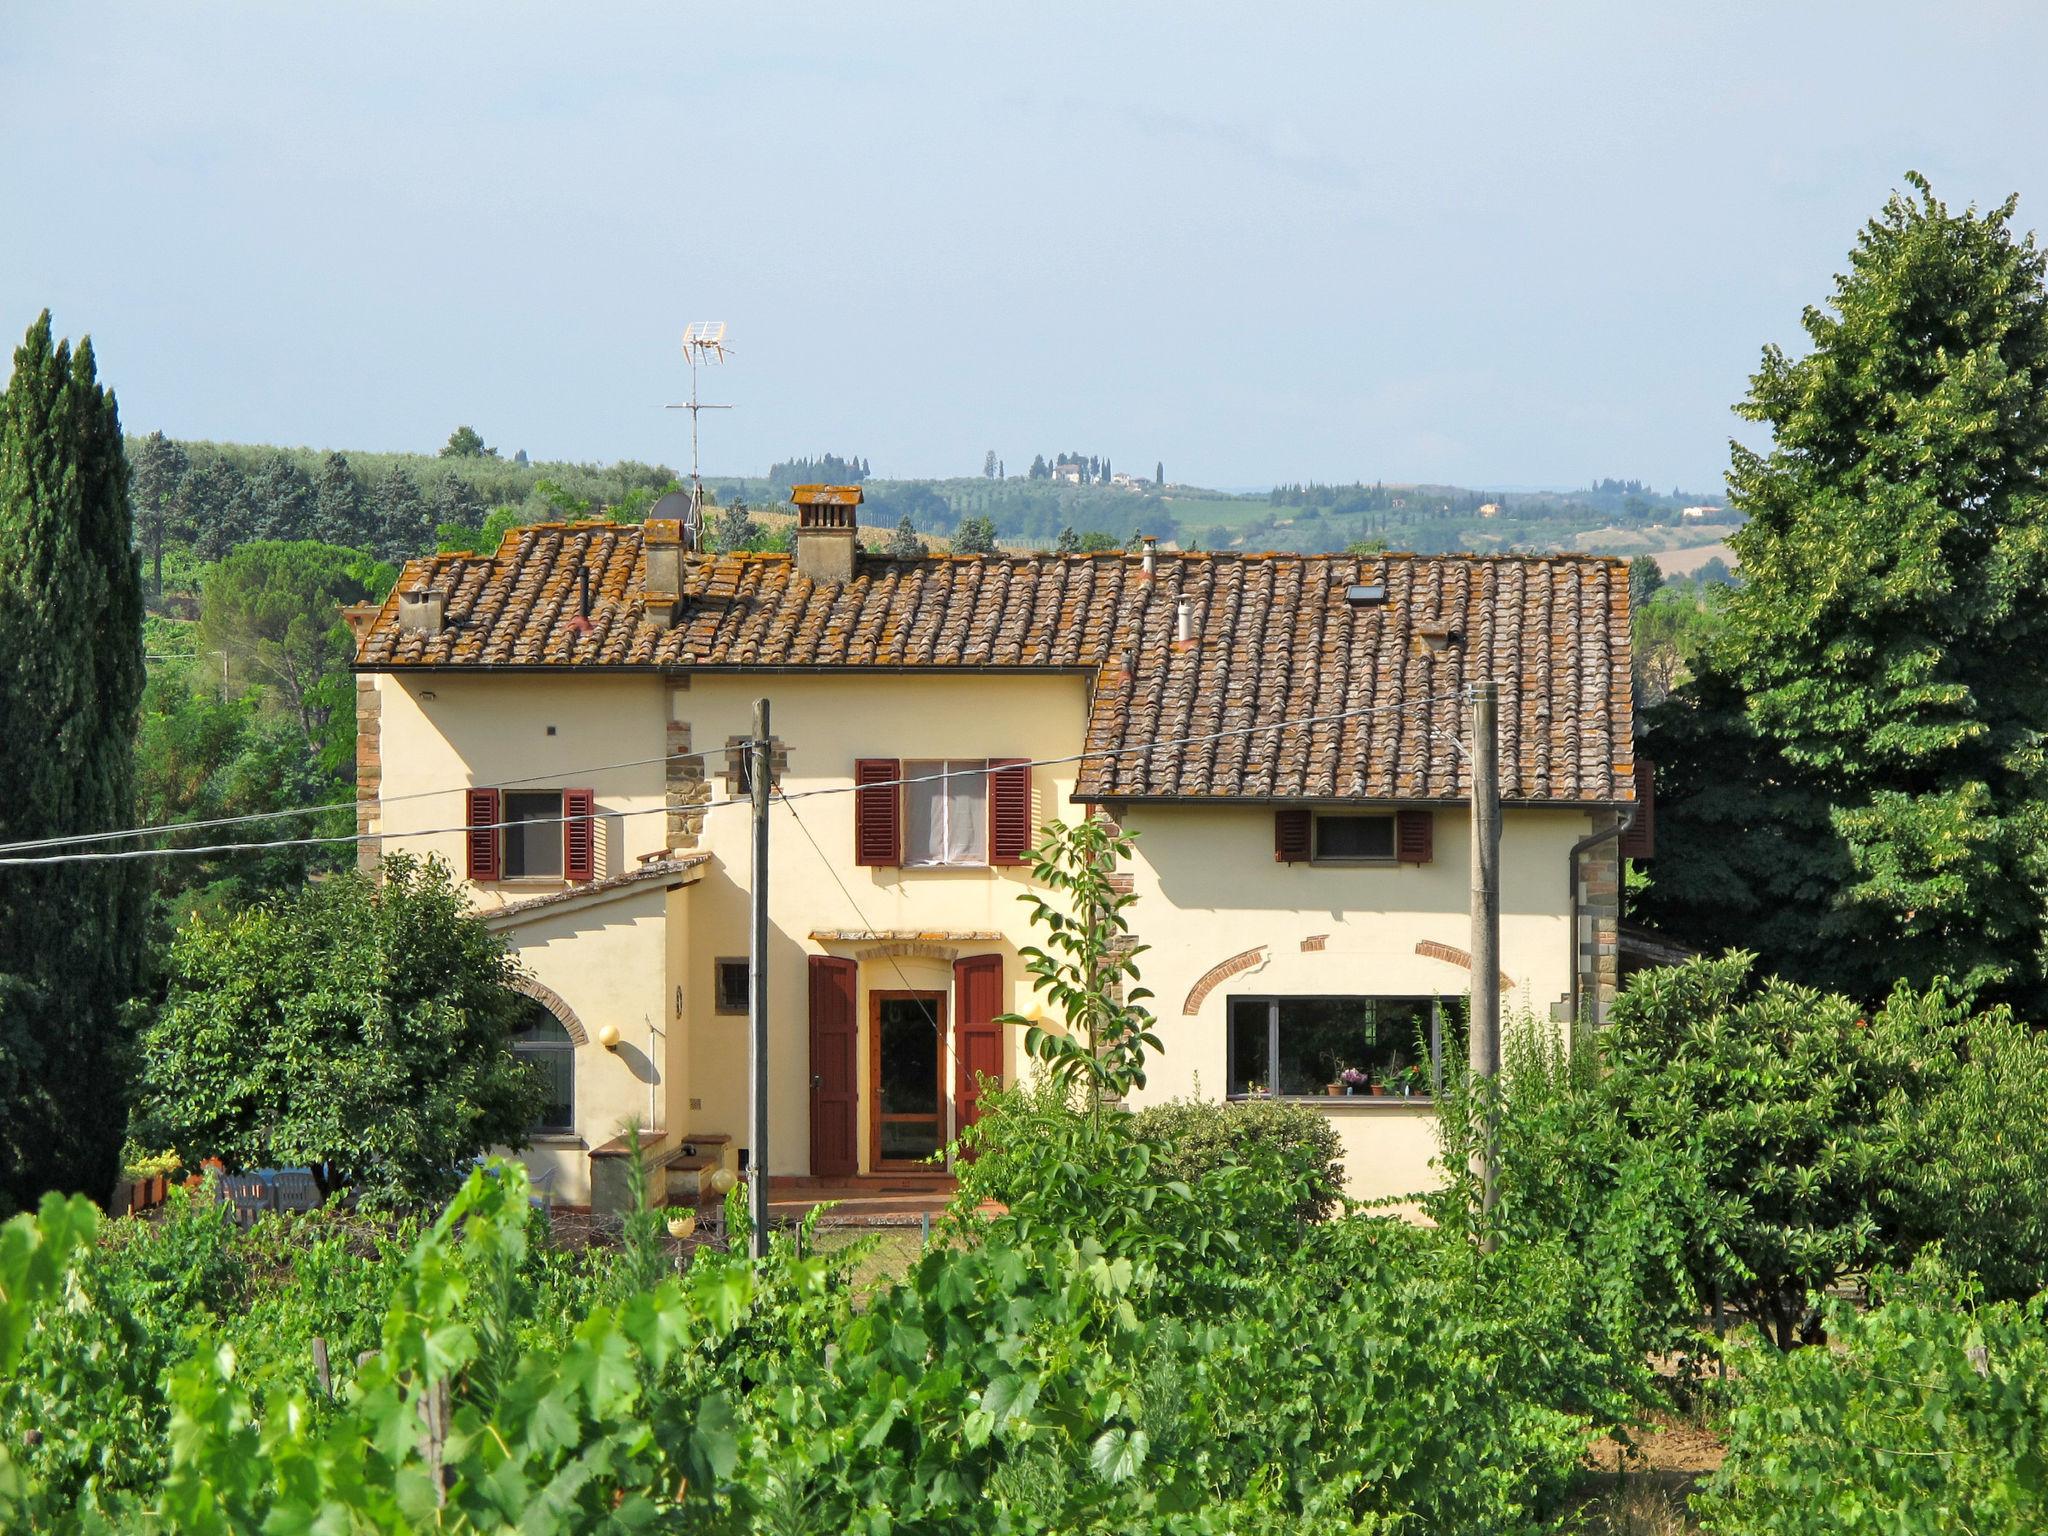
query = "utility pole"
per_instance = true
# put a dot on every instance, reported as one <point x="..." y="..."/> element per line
<point x="757" y="990"/>
<point x="1483" y="1041"/>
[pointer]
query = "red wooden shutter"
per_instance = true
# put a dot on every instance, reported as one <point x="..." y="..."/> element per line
<point x="579" y="834"/>
<point x="1291" y="827"/>
<point x="483" y="841"/>
<point x="1009" y="810"/>
<point x="1640" y="840"/>
<point x="835" y="1091"/>
<point x="1415" y="836"/>
<point x="977" y="1038"/>
<point x="877" y="814"/>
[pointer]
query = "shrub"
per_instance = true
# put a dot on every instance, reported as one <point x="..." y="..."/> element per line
<point x="1925" y="1416"/>
<point x="1193" y="1137"/>
<point x="359" y="1024"/>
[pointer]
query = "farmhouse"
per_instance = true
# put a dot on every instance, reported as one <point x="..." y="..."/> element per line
<point x="565" y="720"/>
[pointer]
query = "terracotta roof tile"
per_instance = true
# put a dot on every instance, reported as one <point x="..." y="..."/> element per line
<point x="1274" y="640"/>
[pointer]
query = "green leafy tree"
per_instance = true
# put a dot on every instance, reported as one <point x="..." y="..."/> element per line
<point x="1645" y="576"/>
<point x="71" y="676"/>
<point x="1086" y="969"/>
<point x="1884" y="644"/>
<point x="359" y="1024"/>
<point x="904" y="544"/>
<point x="157" y="471"/>
<point x="466" y="442"/>
<point x="988" y="465"/>
<point x="273" y="611"/>
<point x="1096" y="542"/>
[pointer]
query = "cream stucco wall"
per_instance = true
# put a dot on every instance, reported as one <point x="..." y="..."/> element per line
<point x="826" y="723"/>
<point x="1209" y="890"/>
<point x="1208" y="885"/>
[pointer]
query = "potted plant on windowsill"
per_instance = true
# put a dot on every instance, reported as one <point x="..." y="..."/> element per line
<point x="1412" y="1079"/>
<point x="1354" y="1080"/>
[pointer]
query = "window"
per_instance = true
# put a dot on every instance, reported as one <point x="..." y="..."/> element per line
<point x="733" y="987"/>
<point x="533" y="834"/>
<point x="543" y="1044"/>
<point x="945" y="813"/>
<point x="1354" y="839"/>
<point x="1295" y="1047"/>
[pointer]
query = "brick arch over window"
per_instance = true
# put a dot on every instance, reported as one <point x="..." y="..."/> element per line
<point x="551" y="1000"/>
<point x="1431" y="950"/>
<point x="1219" y="973"/>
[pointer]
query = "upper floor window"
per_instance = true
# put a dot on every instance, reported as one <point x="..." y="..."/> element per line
<point x="945" y="812"/>
<point x="532" y="834"/>
<point x="1342" y="837"/>
<point x="936" y="813"/>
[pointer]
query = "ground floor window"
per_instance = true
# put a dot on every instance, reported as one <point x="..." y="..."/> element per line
<point x="543" y="1044"/>
<point x="1300" y="1046"/>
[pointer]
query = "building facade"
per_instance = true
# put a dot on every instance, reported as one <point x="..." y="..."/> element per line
<point x="565" y="722"/>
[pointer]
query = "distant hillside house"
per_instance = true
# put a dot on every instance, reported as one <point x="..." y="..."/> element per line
<point x="1280" y="731"/>
<point x="1069" y="474"/>
<point x="1699" y="514"/>
<point x="1489" y="509"/>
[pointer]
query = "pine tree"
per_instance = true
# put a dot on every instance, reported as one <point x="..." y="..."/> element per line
<point x="215" y="508"/>
<point x="1880" y="670"/>
<point x="71" y="935"/>
<point x="457" y="501"/>
<point x="405" y="524"/>
<point x="975" y="536"/>
<point x="988" y="466"/>
<point x="340" y="510"/>
<point x="281" y="498"/>
<point x="1158" y="474"/>
<point x="158" y="472"/>
<point x="734" y="530"/>
<point x="1069" y="542"/>
<point x="904" y="544"/>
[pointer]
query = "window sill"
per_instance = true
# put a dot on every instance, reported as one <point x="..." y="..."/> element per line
<point x="554" y="1139"/>
<point x="928" y="868"/>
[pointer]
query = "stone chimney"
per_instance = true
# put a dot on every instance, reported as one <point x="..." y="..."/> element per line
<point x="827" y="520"/>
<point x="661" y="543"/>
<point x="423" y="612"/>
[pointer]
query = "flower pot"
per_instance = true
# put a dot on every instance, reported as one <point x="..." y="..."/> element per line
<point x="1379" y="1090"/>
<point x="1333" y="1089"/>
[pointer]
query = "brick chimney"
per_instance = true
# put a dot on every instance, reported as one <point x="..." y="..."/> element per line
<point x="827" y="518"/>
<point x="661" y="542"/>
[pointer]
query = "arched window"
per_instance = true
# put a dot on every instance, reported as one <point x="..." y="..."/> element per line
<point x="543" y="1043"/>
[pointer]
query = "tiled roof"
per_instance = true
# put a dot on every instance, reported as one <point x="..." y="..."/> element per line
<point x="1273" y="639"/>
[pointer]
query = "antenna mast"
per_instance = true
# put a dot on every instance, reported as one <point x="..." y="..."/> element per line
<point x="703" y="344"/>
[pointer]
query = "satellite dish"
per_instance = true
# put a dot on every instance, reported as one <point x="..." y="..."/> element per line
<point x="682" y="507"/>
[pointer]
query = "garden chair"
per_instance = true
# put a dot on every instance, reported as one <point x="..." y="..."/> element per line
<point x="297" y="1190"/>
<point x="251" y="1194"/>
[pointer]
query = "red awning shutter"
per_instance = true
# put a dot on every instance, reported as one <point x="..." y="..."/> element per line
<point x="1415" y="836"/>
<point x="579" y="834"/>
<point x="877" y="816"/>
<point x="483" y="841"/>
<point x="1640" y="840"/>
<point x="1009" y="810"/>
<point x="977" y="1038"/>
<point x="1291" y="827"/>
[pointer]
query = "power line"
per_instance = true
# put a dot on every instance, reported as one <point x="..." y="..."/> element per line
<point x="1158" y="744"/>
<point x="244" y="819"/>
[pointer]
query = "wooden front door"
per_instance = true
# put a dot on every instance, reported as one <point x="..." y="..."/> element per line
<point x="835" y="1081"/>
<point x="977" y="1038"/>
<point x="906" y="1078"/>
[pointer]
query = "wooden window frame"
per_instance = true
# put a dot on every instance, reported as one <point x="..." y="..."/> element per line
<point x="1272" y="1002"/>
<point x="1390" y="857"/>
<point x="718" y="999"/>
<point x="939" y="1003"/>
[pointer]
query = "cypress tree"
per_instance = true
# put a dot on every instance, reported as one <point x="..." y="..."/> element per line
<point x="70" y="684"/>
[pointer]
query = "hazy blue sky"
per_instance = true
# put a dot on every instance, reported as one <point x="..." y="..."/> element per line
<point x="1512" y="244"/>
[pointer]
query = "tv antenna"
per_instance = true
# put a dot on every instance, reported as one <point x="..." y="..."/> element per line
<point x="703" y="345"/>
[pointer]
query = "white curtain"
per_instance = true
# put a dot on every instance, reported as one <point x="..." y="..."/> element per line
<point x="946" y="813"/>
